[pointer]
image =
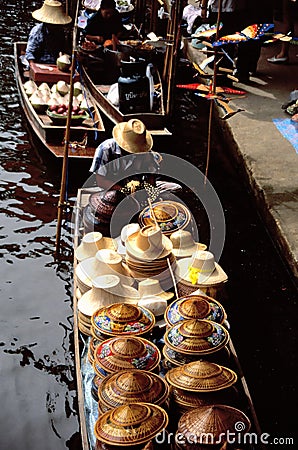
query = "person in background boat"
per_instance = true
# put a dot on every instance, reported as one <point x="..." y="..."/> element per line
<point x="47" y="39"/>
<point x="104" y="24"/>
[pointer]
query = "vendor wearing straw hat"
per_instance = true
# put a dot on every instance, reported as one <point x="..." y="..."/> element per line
<point x="132" y="140"/>
<point x="47" y="39"/>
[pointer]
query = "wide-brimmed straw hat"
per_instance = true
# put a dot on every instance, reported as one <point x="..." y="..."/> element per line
<point x="105" y="262"/>
<point x="106" y="290"/>
<point x="201" y="376"/>
<point x="148" y="244"/>
<point x="151" y="287"/>
<point x="184" y="244"/>
<point x="126" y="231"/>
<point x="91" y="243"/>
<point x="51" y="12"/>
<point x="132" y="136"/>
<point x="132" y="424"/>
<point x="200" y="269"/>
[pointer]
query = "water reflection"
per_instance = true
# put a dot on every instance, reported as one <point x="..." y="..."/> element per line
<point x="38" y="395"/>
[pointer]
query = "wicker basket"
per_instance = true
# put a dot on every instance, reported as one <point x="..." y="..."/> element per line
<point x="215" y="291"/>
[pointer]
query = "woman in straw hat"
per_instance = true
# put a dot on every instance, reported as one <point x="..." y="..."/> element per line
<point x="47" y="39"/>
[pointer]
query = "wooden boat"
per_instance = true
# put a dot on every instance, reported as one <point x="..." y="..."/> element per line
<point x="84" y="137"/>
<point x="155" y="121"/>
<point x="88" y="411"/>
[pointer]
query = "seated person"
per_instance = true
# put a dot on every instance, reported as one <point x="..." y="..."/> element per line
<point x="132" y="140"/>
<point x="47" y="39"/>
<point x="105" y="23"/>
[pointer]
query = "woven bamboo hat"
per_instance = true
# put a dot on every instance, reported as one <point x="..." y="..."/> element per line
<point x="190" y="400"/>
<point x="132" y="136"/>
<point x="195" y="307"/>
<point x="91" y="243"/>
<point x="126" y="353"/>
<point x="149" y="287"/>
<point x="122" y="318"/>
<point x="51" y="12"/>
<point x="129" y="386"/>
<point x="148" y="244"/>
<point x="200" y="269"/>
<point x="157" y="305"/>
<point x="106" y="290"/>
<point x="131" y="424"/>
<point x="196" y="337"/>
<point x="214" y="420"/>
<point x="126" y="231"/>
<point x="184" y="244"/>
<point x="170" y="216"/>
<point x="201" y="376"/>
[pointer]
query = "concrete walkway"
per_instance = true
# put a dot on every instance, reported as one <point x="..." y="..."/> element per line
<point x="269" y="162"/>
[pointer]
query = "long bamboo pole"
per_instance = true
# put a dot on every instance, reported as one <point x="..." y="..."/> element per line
<point x="62" y="197"/>
<point x="214" y="80"/>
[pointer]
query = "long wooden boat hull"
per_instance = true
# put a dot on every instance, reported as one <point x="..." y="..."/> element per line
<point x="87" y="406"/>
<point x="83" y="139"/>
<point x="156" y="123"/>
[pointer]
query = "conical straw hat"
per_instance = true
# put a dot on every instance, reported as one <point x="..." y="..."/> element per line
<point x="191" y="400"/>
<point x="200" y="270"/>
<point x="201" y="376"/>
<point x="51" y="12"/>
<point x="214" y="420"/>
<point x="184" y="244"/>
<point x="91" y="243"/>
<point x="123" y="318"/>
<point x="195" y="307"/>
<point x="130" y="386"/>
<point x="149" y="287"/>
<point x="131" y="424"/>
<point x="196" y="337"/>
<point x="124" y="353"/>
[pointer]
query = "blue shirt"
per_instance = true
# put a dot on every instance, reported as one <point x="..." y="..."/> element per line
<point x="44" y="44"/>
<point x="110" y="162"/>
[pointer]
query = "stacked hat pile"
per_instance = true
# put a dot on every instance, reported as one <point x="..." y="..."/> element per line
<point x="132" y="426"/>
<point x="106" y="290"/>
<point x="149" y="254"/>
<point x="201" y="383"/>
<point x="129" y="386"/>
<point x="102" y="205"/>
<point x="200" y="271"/>
<point x="154" y="298"/>
<point x="194" y="339"/>
<point x="104" y="262"/>
<point x="169" y="215"/>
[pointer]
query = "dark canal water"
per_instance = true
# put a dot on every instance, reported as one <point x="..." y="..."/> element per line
<point x="38" y="396"/>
